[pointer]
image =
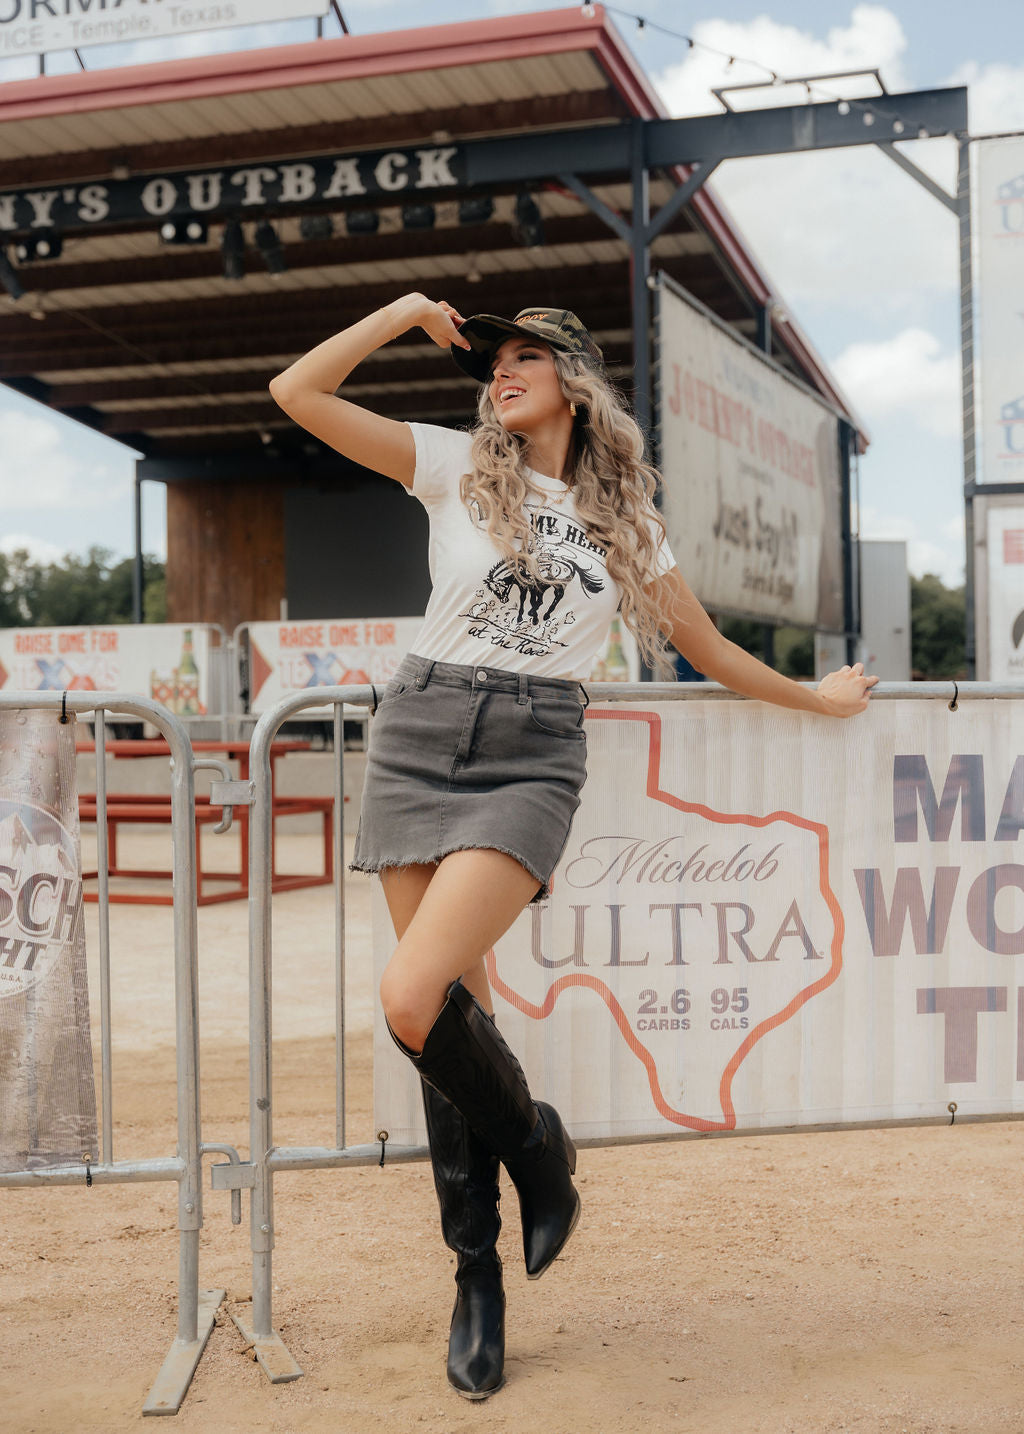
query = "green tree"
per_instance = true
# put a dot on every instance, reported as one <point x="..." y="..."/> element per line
<point x="77" y="591"/>
<point x="938" y="625"/>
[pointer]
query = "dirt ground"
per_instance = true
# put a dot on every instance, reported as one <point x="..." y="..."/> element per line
<point x="865" y="1281"/>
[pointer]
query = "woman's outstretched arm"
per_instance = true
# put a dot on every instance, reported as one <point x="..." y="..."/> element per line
<point x="306" y="390"/>
<point x="691" y="632"/>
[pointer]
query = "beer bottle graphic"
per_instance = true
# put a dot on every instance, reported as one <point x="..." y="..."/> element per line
<point x="616" y="668"/>
<point x="188" y="680"/>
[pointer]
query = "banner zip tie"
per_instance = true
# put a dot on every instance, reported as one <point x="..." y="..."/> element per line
<point x="956" y="696"/>
<point x="382" y="1136"/>
<point x="64" y="707"/>
<point x="952" y="1108"/>
<point x="87" y="1162"/>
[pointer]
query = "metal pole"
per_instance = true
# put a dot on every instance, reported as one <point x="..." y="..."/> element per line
<point x="338" y="818"/>
<point x="851" y="613"/>
<point x="103" y="877"/>
<point x="963" y="199"/>
<point x="640" y="269"/>
<point x="137" y="573"/>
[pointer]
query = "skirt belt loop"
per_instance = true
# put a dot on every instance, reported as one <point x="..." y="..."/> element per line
<point x="424" y="677"/>
<point x="524" y="689"/>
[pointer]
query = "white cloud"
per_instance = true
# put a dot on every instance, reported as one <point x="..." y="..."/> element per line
<point x="40" y="469"/>
<point x="874" y="39"/>
<point x="923" y="556"/>
<point x="995" y="102"/>
<point x="845" y="227"/>
<point x="908" y="375"/>
<point x="39" y="549"/>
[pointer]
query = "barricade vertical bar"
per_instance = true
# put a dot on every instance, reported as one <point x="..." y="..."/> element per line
<point x="339" y="924"/>
<point x="271" y="1353"/>
<point x="195" y="1317"/>
<point x="103" y="877"/>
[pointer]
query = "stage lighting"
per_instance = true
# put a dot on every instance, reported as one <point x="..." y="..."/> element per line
<point x="316" y="227"/>
<point x="529" y="226"/>
<point x="270" y="247"/>
<point x="183" y="231"/>
<point x="232" y="250"/>
<point x="8" y="277"/>
<point x="362" y="221"/>
<point x="477" y="210"/>
<point x="42" y="246"/>
<point x="418" y="216"/>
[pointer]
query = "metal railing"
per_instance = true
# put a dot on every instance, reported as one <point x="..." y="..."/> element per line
<point x="268" y="1159"/>
<point x="196" y="1308"/>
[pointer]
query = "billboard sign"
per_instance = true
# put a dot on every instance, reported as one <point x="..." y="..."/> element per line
<point x="1005" y="564"/>
<point x="36" y="27"/>
<point x="750" y="464"/>
<point x="1000" y="250"/>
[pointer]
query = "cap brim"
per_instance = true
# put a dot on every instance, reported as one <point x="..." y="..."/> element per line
<point x="485" y="332"/>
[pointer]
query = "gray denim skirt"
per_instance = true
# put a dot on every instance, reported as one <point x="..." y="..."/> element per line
<point x="468" y="757"/>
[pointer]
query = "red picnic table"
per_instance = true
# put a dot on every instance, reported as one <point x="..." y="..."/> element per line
<point x="133" y="807"/>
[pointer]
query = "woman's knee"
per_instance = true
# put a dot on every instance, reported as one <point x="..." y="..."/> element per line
<point x="410" y="1011"/>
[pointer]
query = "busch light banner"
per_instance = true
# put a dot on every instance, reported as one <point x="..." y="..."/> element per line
<point x="1000" y="250"/>
<point x="768" y="919"/>
<point x="751" y="473"/>
<point x="47" y="1096"/>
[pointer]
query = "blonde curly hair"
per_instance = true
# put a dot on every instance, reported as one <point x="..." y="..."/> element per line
<point x="612" y="485"/>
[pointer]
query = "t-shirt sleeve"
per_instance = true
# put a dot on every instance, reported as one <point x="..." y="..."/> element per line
<point x="664" y="562"/>
<point x="442" y="456"/>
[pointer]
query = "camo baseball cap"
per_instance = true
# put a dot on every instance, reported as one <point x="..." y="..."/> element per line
<point x="559" y="328"/>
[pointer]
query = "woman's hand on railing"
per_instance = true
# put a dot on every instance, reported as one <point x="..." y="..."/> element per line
<point x="846" y="691"/>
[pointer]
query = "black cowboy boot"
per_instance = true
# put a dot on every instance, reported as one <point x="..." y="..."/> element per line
<point x="465" y="1058"/>
<point x="466" y="1179"/>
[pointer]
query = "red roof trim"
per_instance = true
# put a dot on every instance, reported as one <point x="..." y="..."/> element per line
<point x="315" y="62"/>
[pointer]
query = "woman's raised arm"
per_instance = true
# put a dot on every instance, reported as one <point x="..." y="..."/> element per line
<point x="306" y="390"/>
<point x="691" y="632"/>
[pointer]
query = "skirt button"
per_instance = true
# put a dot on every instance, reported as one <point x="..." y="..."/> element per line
<point x="481" y="676"/>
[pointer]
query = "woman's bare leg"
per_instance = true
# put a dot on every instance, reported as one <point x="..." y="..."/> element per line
<point x="403" y="888"/>
<point x="471" y="900"/>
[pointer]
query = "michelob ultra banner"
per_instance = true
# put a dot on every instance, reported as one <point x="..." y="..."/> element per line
<point x="47" y="1096"/>
<point x="166" y="661"/>
<point x="767" y="919"/>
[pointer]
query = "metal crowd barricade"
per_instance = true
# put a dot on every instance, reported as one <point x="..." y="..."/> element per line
<point x="196" y="1308"/>
<point x="268" y="1159"/>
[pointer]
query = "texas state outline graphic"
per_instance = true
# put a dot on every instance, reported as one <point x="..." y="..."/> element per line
<point x="587" y="980"/>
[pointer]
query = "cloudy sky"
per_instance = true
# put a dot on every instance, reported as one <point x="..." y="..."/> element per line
<point x="863" y="258"/>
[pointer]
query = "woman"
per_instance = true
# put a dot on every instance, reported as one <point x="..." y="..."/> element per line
<point x="542" y="526"/>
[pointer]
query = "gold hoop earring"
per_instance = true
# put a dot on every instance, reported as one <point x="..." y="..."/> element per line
<point x="572" y="408"/>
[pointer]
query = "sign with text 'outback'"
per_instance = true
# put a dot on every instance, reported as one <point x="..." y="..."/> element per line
<point x="765" y="918"/>
<point x="750" y="463"/>
<point x="37" y="27"/>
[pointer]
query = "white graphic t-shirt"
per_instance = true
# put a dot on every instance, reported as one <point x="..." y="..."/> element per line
<point x="480" y="613"/>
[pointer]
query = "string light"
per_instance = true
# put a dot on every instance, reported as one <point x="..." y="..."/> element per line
<point x="869" y="113"/>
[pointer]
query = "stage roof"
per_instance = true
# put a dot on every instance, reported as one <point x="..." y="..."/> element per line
<point x="150" y="342"/>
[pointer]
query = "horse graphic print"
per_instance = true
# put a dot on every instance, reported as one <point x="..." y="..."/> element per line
<point x="527" y="615"/>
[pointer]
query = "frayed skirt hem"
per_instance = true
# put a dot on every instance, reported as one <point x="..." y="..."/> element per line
<point x="375" y="868"/>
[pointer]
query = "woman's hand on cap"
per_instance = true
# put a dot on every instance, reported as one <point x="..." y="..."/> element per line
<point x="442" y="322"/>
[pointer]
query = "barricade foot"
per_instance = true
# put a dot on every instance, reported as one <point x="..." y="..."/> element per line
<point x="271" y="1353"/>
<point x="171" y="1384"/>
